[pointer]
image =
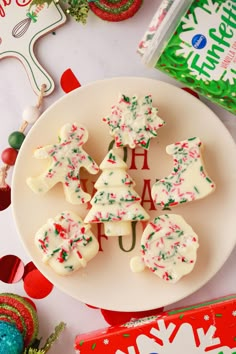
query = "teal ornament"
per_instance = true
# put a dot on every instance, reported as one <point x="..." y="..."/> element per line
<point x="11" y="339"/>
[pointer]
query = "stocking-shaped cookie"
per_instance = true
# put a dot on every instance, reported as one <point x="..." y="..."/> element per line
<point x="65" y="160"/>
<point x="115" y="203"/>
<point x="66" y="243"/>
<point x="188" y="180"/>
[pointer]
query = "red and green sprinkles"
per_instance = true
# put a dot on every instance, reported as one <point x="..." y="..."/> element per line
<point x="66" y="159"/>
<point x="115" y="10"/>
<point x="115" y="199"/>
<point x="66" y="243"/>
<point x="188" y="180"/>
<point x="134" y="121"/>
<point x="169" y="247"/>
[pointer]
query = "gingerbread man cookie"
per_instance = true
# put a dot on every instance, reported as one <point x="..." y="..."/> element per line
<point x="65" y="161"/>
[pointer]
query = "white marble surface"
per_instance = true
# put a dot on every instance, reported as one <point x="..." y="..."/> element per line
<point x="95" y="51"/>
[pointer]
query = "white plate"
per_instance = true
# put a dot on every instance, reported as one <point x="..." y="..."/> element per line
<point x="107" y="281"/>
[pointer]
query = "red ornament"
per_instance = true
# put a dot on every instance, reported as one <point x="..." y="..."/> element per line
<point x="5" y="197"/>
<point x="9" y="156"/>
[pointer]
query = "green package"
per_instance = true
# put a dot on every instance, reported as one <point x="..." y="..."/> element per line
<point x="201" y="51"/>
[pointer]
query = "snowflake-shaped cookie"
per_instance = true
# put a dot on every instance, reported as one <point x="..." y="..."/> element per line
<point x="65" y="160"/>
<point x="134" y="121"/>
<point x="66" y="243"/>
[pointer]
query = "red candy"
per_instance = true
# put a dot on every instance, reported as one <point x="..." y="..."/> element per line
<point x="9" y="156"/>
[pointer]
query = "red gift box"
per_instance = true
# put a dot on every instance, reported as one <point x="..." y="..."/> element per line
<point x="208" y="327"/>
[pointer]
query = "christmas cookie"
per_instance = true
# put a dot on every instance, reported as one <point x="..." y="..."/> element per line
<point x="66" y="243"/>
<point x="18" y="312"/>
<point x="66" y="158"/>
<point x="168" y="248"/>
<point x="134" y="121"/>
<point x="115" y="10"/>
<point x="188" y="180"/>
<point x="116" y="204"/>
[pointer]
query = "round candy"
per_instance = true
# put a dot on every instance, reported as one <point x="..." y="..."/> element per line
<point x="31" y="114"/>
<point x="11" y="340"/>
<point x="115" y="10"/>
<point x="16" y="139"/>
<point x="9" y="156"/>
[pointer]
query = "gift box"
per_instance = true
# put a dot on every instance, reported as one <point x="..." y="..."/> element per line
<point x="208" y="327"/>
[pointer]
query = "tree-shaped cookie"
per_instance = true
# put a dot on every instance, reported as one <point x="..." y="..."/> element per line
<point x="168" y="248"/>
<point x="134" y="121"/>
<point x="66" y="158"/>
<point x="188" y="180"/>
<point x="115" y="203"/>
<point x="66" y="243"/>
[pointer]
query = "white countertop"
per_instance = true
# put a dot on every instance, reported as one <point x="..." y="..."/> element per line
<point x="95" y="51"/>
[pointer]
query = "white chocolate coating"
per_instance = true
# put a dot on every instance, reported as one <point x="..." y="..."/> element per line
<point x="65" y="160"/>
<point x="66" y="243"/>
<point x="168" y="248"/>
<point x="134" y="121"/>
<point x="188" y="180"/>
<point x="115" y="203"/>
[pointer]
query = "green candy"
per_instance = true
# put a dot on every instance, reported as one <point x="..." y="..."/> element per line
<point x="16" y="139"/>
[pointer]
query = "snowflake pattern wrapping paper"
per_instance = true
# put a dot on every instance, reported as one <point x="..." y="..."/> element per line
<point x="197" y="329"/>
<point x="200" y="51"/>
